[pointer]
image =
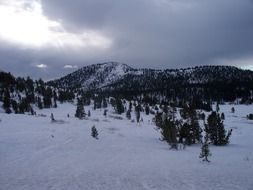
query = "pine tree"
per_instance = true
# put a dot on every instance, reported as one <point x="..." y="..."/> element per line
<point x="147" y="110"/>
<point x="205" y="152"/>
<point x="130" y="106"/>
<point x="47" y="95"/>
<point x="7" y="102"/>
<point x="128" y="114"/>
<point x="158" y="120"/>
<point x="190" y="130"/>
<point x="94" y="132"/>
<point x="80" y="113"/>
<point x="137" y="113"/>
<point x="104" y="103"/>
<point x="168" y="129"/>
<point x="250" y="116"/>
<point x="14" y="106"/>
<point x="39" y="103"/>
<point x="105" y="112"/>
<point x="119" y="106"/>
<point x="169" y="133"/>
<point x="216" y="131"/>
<point x="222" y="116"/>
<point x="217" y="107"/>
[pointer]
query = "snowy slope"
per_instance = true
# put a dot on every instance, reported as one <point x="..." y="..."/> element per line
<point x="113" y="75"/>
<point x="95" y="76"/>
<point x="38" y="154"/>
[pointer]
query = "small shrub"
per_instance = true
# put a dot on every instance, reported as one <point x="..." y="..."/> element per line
<point x="94" y="132"/>
<point x="250" y="116"/>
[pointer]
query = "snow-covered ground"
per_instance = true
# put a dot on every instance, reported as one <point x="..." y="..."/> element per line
<point x="37" y="154"/>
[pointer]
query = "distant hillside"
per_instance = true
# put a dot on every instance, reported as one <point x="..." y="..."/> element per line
<point x="113" y="75"/>
<point x="198" y="85"/>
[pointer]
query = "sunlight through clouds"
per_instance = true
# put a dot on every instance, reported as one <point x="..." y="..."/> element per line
<point x="23" y="22"/>
<point x="41" y="66"/>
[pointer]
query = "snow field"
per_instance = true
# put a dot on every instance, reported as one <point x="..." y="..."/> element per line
<point x="38" y="154"/>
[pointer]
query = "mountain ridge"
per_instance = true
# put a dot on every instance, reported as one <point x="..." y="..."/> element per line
<point x="114" y="75"/>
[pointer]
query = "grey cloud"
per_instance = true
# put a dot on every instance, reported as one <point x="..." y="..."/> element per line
<point x="154" y="33"/>
<point x="166" y="34"/>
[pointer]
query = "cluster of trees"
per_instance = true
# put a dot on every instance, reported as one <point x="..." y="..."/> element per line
<point x="187" y="130"/>
<point x="120" y="106"/>
<point x="19" y="95"/>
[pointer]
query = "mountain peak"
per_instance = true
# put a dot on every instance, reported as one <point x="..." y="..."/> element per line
<point x="95" y="76"/>
<point x="115" y="65"/>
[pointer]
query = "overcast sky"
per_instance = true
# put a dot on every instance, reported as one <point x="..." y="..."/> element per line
<point x="49" y="38"/>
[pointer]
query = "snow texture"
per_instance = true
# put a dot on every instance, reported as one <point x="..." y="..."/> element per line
<point x="36" y="153"/>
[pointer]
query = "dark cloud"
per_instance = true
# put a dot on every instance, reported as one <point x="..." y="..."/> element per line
<point x="155" y="33"/>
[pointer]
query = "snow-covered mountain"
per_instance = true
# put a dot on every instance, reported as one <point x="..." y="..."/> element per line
<point x="95" y="76"/>
<point x="113" y="75"/>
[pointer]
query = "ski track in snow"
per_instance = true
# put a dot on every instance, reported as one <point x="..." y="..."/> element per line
<point x="38" y="154"/>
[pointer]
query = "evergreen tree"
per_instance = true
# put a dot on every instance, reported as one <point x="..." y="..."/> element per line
<point x="169" y="133"/>
<point x="39" y="103"/>
<point x="190" y="130"/>
<point x="232" y="110"/>
<point x="94" y="132"/>
<point x="250" y="116"/>
<point x="202" y="116"/>
<point x="168" y="129"/>
<point x="128" y="114"/>
<point x="130" y="106"/>
<point x="105" y="112"/>
<point x="147" y="110"/>
<point x="14" y="106"/>
<point x="47" y="95"/>
<point x="222" y="116"/>
<point x="119" y="106"/>
<point x="205" y="152"/>
<point x="7" y="101"/>
<point x="217" y="107"/>
<point x="104" y="103"/>
<point x="158" y="120"/>
<point x="95" y="105"/>
<point x="216" y="131"/>
<point x="80" y="113"/>
<point x="137" y="113"/>
<point x="195" y="129"/>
